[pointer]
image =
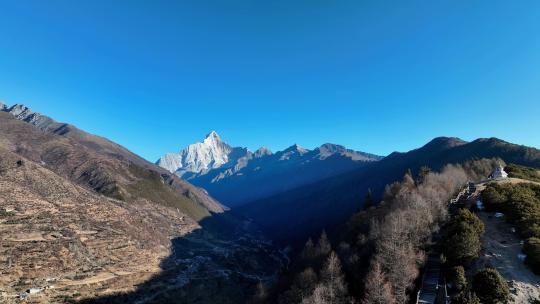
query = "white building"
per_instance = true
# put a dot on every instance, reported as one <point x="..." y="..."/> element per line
<point x="498" y="173"/>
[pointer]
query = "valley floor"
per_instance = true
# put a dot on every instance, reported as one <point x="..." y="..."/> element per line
<point x="61" y="243"/>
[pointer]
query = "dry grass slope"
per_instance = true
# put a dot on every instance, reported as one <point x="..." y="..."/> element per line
<point x="103" y="166"/>
<point x="72" y="242"/>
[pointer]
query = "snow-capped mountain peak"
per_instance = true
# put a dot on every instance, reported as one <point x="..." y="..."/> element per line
<point x="212" y="137"/>
<point x="209" y="154"/>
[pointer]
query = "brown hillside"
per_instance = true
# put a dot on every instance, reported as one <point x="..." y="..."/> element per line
<point x="102" y="166"/>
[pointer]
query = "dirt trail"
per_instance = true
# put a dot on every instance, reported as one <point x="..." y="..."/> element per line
<point x="514" y="180"/>
<point x="500" y="249"/>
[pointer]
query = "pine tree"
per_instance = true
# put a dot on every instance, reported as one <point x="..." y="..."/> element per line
<point x="490" y="287"/>
<point x="302" y="287"/>
<point x="422" y="174"/>
<point x="261" y="294"/>
<point x="323" y="246"/>
<point x="377" y="288"/>
<point x="368" y="201"/>
<point x="309" y="252"/>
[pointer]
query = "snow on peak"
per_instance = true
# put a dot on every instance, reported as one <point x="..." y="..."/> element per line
<point x="212" y="138"/>
<point x="199" y="157"/>
<point x="213" y="134"/>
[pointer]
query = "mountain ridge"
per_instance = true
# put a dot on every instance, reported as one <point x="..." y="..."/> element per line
<point x="262" y="172"/>
<point x="333" y="199"/>
<point x="94" y="161"/>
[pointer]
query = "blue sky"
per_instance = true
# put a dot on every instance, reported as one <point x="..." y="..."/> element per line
<point x="375" y="76"/>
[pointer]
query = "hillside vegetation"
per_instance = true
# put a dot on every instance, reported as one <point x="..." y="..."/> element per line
<point x="521" y="205"/>
<point x="385" y="246"/>
<point x="523" y="172"/>
<point x="334" y="199"/>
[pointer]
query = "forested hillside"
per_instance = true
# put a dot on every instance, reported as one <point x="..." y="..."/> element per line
<point x="295" y="214"/>
<point x="381" y="249"/>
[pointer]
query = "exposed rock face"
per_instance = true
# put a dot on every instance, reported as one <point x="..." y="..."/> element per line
<point x="236" y="175"/>
<point x="201" y="157"/>
<point x="328" y="150"/>
<point x="262" y="152"/>
<point x="23" y="113"/>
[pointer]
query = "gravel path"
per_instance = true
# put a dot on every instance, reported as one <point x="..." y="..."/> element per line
<point x="500" y="249"/>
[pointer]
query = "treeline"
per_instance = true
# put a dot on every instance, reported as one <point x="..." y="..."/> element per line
<point x="521" y="205"/>
<point x="382" y="248"/>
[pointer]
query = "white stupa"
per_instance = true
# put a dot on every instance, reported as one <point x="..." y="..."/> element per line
<point x="498" y="173"/>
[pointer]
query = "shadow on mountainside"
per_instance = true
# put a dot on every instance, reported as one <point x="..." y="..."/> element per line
<point x="220" y="263"/>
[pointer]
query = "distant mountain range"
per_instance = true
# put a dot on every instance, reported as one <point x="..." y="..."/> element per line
<point x="235" y="175"/>
<point x="88" y="210"/>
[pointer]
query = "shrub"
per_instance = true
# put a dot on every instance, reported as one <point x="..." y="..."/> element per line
<point x="457" y="277"/>
<point x="522" y="172"/>
<point x="462" y="244"/>
<point x="462" y="238"/>
<point x="532" y="250"/>
<point x="470" y="218"/>
<point x="466" y="298"/>
<point x="520" y="203"/>
<point x="534" y="301"/>
<point x="490" y="287"/>
<point x="493" y="198"/>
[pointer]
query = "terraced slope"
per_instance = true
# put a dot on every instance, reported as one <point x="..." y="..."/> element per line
<point x="65" y="239"/>
<point x="82" y="218"/>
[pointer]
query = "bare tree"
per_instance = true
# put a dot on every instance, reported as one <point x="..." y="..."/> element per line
<point x="333" y="278"/>
<point x="377" y="289"/>
<point x="415" y="213"/>
<point x="332" y="288"/>
<point x="319" y="296"/>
